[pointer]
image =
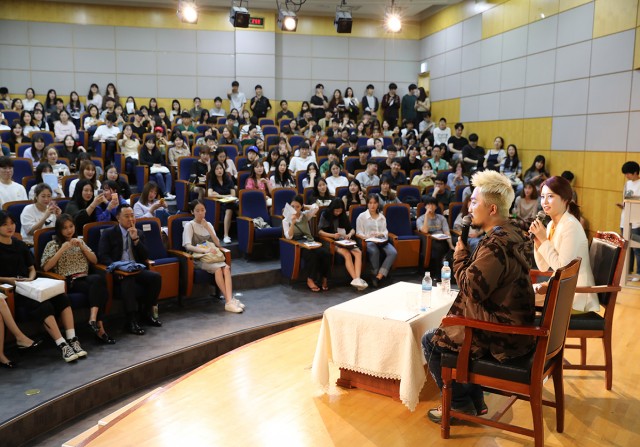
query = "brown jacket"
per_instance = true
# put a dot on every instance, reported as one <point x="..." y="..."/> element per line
<point x="494" y="286"/>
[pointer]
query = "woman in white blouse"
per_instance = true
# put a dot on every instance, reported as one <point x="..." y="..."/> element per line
<point x="372" y="225"/>
<point x="41" y="214"/>
<point x="563" y="240"/>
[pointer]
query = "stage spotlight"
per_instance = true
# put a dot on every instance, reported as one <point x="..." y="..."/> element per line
<point x="239" y="15"/>
<point x="287" y="20"/>
<point x="392" y="19"/>
<point x="343" y="21"/>
<point x="187" y="11"/>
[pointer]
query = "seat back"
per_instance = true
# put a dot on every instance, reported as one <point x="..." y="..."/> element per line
<point x="281" y="196"/>
<point x="10" y="116"/>
<point x="48" y="136"/>
<point x="270" y="130"/>
<point x="176" y="228"/>
<point x="454" y="210"/>
<point x="40" y="240"/>
<point x="354" y="212"/>
<point x="296" y="140"/>
<point x="212" y="211"/>
<point x="266" y="122"/>
<point x="254" y="204"/>
<point x="606" y="255"/>
<point x="151" y="228"/>
<point x="398" y="218"/>
<point x="300" y="176"/>
<point x="22" y="167"/>
<point x="232" y="150"/>
<point x="28" y="182"/>
<point x="184" y="167"/>
<point x="242" y="179"/>
<point x="92" y="232"/>
<point x="557" y="307"/>
<point x="15" y="209"/>
<point x="408" y="192"/>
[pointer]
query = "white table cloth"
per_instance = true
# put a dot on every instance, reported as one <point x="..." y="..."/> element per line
<point x="359" y="335"/>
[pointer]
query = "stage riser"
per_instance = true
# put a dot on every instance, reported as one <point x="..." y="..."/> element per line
<point x="90" y="396"/>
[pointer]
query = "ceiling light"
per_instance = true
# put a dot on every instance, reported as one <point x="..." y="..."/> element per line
<point x="343" y="21"/>
<point x="392" y="19"/>
<point x="187" y="11"/>
<point x="287" y="20"/>
<point x="239" y="14"/>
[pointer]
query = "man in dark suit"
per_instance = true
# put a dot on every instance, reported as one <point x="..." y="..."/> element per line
<point x="124" y="242"/>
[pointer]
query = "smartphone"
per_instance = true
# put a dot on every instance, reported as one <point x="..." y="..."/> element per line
<point x="60" y="174"/>
<point x="100" y="191"/>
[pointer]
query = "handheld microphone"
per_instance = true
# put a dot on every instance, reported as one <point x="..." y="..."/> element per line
<point x="540" y="218"/>
<point x="466" y="224"/>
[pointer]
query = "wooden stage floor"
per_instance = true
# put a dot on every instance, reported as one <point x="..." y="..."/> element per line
<point x="262" y="395"/>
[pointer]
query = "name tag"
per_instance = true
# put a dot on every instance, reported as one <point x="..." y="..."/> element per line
<point x="146" y="227"/>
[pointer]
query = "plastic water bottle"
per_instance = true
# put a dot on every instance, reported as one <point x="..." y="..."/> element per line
<point x="445" y="277"/>
<point x="425" y="297"/>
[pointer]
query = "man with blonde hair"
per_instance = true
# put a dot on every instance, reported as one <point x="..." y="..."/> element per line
<point x="494" y="286"/>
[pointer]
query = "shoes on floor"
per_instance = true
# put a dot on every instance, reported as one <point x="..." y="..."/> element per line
<point x="68" y="354"/>
<point x="231" y="306"/>
<point x="169" y="196"/>
<point x="134" y="328"/>
<point x="238" y="303"/>
<point x="75" y="345"/>
<point x="359" y="284"/>
<point x="8" y="365"/>
<point x="226" y="240"/>
<point x="152" y="321"/>
<point x="435" y="414"/>
<point x="375" y="282"/>
<point x="104" y="338"/>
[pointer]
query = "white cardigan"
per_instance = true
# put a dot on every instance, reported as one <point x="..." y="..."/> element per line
<point x="569" y="242"/>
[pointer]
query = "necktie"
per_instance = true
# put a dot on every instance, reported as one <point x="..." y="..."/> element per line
<point x="126" y="255"/>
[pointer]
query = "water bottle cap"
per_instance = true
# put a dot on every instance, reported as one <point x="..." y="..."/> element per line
<point x="446" y="263"/>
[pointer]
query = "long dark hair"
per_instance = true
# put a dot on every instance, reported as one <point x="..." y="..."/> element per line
<point x="40" y="170"/>
<point x="282" y="178"/>
<point x="561" y="186"/>
<point x="316" y="193"/>
<point x="144" y="196"/>
<point x="536" y="160"/>
<point x="512" y="163"/>
<point x="60" y="221"/>
<point x="77" y="194"/>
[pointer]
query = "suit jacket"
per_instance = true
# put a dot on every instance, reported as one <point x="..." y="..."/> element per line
<point x="110" y="247"/>
<point x="569" y="241"/>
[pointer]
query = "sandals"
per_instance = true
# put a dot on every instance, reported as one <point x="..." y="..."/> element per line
<point x="325" y="285"/>
<point x="312" y="286"/>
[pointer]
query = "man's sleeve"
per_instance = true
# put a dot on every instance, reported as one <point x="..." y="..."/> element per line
<point x="480" y="278"/>
<point x="104" y="257"/>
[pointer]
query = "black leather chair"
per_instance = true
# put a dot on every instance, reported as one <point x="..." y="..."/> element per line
<point x="524" y="377"/>
<point x="606" y="255"/>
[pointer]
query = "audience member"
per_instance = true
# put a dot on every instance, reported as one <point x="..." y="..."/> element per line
<point x="40" y="214"/>
<point x="237" y="99"/>
<point x="86" y="171"/>
<point x="424" y="180"/>
<point x="527" y="203"/>
<point x="435" y="224"/>
<point x="472" y="155"/>
<point x="511" y="166"/>
<point x="221" y="186"/>
<point x="537" y="173"/>
<point x="10" y="191"/>
<point x="495" y="156"/>
<point x="151" y="204"/>
<point x="84" y="207"/>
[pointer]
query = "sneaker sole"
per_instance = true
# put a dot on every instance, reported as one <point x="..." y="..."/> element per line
<point x="71" y="359"/>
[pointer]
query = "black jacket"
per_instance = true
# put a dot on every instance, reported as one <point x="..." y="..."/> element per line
<point x="110" y="248"/>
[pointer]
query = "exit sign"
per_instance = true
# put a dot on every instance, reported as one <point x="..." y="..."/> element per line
<point x="256" y="22"/>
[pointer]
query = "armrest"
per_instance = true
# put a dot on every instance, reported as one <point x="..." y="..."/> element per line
<point x="248" y="219"/>
<point x="8" y="290"/>
<point x="535" y="272"/>
<point x="598" y="289"/>
<point x="180" y="254"/>
<point x="51" y="275"/>
<point x="534" y="331"/>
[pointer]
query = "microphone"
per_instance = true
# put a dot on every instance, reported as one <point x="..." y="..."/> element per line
<point x="466" y="224"/>
<point x="539" y="217"/>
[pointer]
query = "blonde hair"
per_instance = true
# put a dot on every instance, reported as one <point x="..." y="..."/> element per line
<point x="496" y="190"/>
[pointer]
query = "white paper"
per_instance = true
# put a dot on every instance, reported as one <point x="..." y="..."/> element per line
<point x="440" y="236"/>
<point x="288" y="212"/>
<point x="51" y="180"/>
<point x="377" y="240"/>
<point x="346" y="243"/>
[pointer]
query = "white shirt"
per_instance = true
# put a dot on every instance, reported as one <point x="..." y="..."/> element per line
<point x="631" y="189"/>
<point x="366" y="225"/>
<point x="97" y="101"/>
<point x="300" y="164"/>
<point x="441" y="136"/>
<point x="29" y="104"/>
<point x="30" y="216"/>
<point x="217" y="112"/>
<point x="335" y="182"/>
<point x="105" y="132"/>
<point x="32" y="193"/>
<point x="367" y="180"/>
<point x="237" y="101"/>
<point x="12" y="193"/>
<point x="569" y="241"/>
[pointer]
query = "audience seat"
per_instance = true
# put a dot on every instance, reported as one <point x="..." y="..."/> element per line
<point x="253" y="204"/>
<point x="15" y="209"/>
<point x="22" y="167"/>
<point x="280" y="197"/>
<point x="406" y="243"/>
<point x="183" y="195"/>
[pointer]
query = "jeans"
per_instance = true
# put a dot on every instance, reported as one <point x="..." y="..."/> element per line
<point x="462" y="394"/>
<point x="373" y="253"/>
<point x="163" y="181"/>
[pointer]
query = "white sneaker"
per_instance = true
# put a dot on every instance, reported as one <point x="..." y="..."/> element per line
<point x="169" y="196"/>
<point x="232" y="307"/>
<point x="356" y="283"/>
<point x="67" y="353"/>
<point x="238" y="303"/>
<point x="75" y="345"/>
<point x="363" y="284"/>
<point x="226" y="240"/>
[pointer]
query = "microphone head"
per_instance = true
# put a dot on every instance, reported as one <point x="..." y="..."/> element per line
<point x="541" y="216"/>
<point x="466" y="220"/>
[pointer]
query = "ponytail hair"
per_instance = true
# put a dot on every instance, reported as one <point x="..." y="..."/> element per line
<point x="562" y="187"/>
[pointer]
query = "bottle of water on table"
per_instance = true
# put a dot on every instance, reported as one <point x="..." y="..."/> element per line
<point x="425" y="297"/>
<point x="445" y="277"/>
